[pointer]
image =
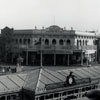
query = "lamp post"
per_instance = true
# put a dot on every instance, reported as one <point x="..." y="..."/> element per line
<point x="41" y="53"/>
<point x="81" y="56"/>
<point x="27" y="54"/>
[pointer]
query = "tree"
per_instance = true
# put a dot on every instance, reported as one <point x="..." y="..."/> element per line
<point x="6" y="40"/>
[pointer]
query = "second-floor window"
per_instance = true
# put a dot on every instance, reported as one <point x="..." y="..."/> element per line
<point x="20" y="41"/>
<point x="25" y="40"/>
<point x="68" y="42"/>
<point x="77" y="42"/>
<point x="28" y="41"/>
<point x="83" y="42"/>
<point x="86" y="42"/>
<point x="54" y="41"/>
<point x="46" y="42"/>
<point x="80" y="42"/>
<point x="16" y="41"/>
<point x="61" y="42"/>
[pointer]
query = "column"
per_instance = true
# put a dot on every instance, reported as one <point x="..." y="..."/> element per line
<point x="12" y="57"/>
<point x="27" y="56"/>
<point x="54" y="59"/>
<point x="81" y="57"/>
<point x="41" y="58"/>
<point x="68" y="59"/>
<point x="87" y="60"/>
<point x="96" y="56"/>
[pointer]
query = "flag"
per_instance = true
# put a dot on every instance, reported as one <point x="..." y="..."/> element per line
<point x="38" y="42"/>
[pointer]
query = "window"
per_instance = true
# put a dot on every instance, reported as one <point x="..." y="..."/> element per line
<point x="61" y="42"/>
<point x="41" y="98"/>
<point x="47" y="42"/>
<point x="95" y="42"/>
<point x="80" y="42"/>
<point x="54" y="42"/>
<point x="16" y="41"/>
<point x="83" y="42"/>
<point x="83" y="89"/>
<point x="25" y="41"/>
<point x="8" y="97"/>
<point x="64" y="93"/>
<point x="71" y="92"/>
<point x="20" y="41"/>
<point x="86" y="42"/>
<point x="49" y="96"/>
<point x="28" y="41"/>
<point x="76" y="90"/>
<point x="77" y="42"/>
<point x="13" y="96"/>
<point x="68" y="42"/>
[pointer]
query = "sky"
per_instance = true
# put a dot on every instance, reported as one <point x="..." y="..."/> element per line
<point x="26" y="14"/>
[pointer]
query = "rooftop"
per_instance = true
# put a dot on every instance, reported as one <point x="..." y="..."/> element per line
<point x="37" y="79"/>
<point x="54" y="29"/>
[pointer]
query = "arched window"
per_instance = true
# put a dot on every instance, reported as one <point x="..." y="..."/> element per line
<point x="46" y="41"/>
<point x="80" y="42"/>
<point x="54" y="41"/>
<point x="61" y="42"/>
<point x="68" y="42"/>
<point x="16" y="41"/>
<point x="86" y="42"/>
<point x="25" y="41"/>
<point x="28" y="41"/>
<point x="83" y="42"/>
<point x="20" y="41"/>
<point x="77" y="42"/>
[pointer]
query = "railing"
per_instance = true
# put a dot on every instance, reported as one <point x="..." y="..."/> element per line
<point x="88" y="47"/>
<point x="52" y="47"/>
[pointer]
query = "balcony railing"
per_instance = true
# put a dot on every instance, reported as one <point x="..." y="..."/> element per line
<point x="87" y="47"/>
<point x="51" y="47"/>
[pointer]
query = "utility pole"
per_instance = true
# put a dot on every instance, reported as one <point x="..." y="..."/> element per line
<point x="41" y="52"/>
<point x="27" y="54"/>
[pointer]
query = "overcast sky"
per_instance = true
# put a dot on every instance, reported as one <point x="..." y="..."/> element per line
<point x="26" y="14"/>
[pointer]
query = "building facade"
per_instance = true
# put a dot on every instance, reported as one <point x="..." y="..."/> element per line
<point x="53" y="46"/>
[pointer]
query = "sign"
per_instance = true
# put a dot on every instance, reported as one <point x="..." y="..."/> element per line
<point x="83" y="80"/>
<point x="55" y="85"/>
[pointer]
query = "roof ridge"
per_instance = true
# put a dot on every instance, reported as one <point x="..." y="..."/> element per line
<point x="29" y="76"/>
<point x="39" y="76"/>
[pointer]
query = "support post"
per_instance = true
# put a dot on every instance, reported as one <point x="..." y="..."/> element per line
<point x="54" y="59"/>
<point x="81" y="57"/>
<point x="68" y="59"/>
<point x="41" y="57"/>
<point x="41" y="64"/>
<point x="27" y="56"/>
<point x="96" y="57"/>
<point x="87" y="60"/>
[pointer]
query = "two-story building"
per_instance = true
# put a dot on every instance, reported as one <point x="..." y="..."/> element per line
<point x="53" y="46"/>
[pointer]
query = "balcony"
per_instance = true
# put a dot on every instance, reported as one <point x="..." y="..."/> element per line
<point x="52" y="47"/>
<point x="87" y="47"/>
